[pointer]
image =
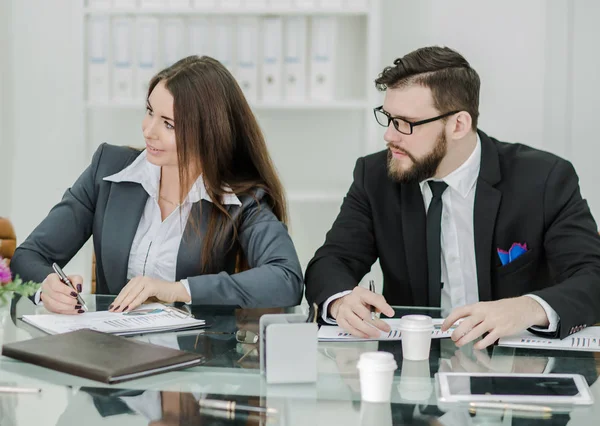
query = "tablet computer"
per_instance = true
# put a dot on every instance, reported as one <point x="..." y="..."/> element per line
<point x="547" y="389"/>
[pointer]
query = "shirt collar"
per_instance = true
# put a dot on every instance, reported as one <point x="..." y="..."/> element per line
<point x="463" y="179"/>
<point x="148" y="175"/>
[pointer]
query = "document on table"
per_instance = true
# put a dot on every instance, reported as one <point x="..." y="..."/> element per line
<point x="334" y="333"/>
<point x="587" y="339"/>
<point x="151" y="318"/>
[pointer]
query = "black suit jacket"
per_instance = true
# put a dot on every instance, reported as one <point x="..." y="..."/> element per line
<point x="522" y="195"/>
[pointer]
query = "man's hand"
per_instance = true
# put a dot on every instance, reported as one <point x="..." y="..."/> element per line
<point x="139" y="289"/>
<point x="498" y="319"/>
<point x="353" y="313"/>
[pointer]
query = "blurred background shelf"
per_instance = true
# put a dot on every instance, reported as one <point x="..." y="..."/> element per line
<point x="259" y="105"/>
<point x="224" y="11"/>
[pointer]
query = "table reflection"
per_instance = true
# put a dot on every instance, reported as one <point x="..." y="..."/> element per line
<point x="153" y="408"/>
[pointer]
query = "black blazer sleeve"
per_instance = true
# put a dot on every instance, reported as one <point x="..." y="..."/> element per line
<point x="63" y="232"/>
<point x="572" y="247"/>
<point x="349" y="250"/>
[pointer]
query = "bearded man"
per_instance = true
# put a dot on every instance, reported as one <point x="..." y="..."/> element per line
<point x="496" y="234"/>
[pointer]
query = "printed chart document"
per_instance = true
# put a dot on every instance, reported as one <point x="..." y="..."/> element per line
<point x="587" y="339"/>
<point x="334" y="333"/>
<point x="151" y="318"/>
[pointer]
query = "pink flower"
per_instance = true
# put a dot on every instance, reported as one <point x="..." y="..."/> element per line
<point x="5" y="275"/>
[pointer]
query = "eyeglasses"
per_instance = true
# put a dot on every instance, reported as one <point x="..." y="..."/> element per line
<point x="403" y="126"/>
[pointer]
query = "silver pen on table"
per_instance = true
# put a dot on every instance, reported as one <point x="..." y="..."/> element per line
<point x="490" y="407"/>
<point x="63" y="277"/>
<point x="372" y="288"/>
<point x="233" y="407"/>
<point x="10" y="389"/>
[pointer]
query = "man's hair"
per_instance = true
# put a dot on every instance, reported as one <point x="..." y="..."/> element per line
<point x="453" y="83"/>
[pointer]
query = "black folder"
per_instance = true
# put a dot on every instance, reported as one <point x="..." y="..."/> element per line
<point x="100" y="356"/>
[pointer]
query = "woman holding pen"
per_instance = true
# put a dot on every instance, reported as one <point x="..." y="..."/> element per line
<point x="198" y="216"/>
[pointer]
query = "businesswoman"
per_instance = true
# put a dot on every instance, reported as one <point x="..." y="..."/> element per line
<point x="197" y="217"/>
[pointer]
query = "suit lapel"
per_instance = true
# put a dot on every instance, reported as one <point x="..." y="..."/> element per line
<point x="190" y="248"/>
<point x="485" y="211"/>
<point x="124" y="209"/>
<point x="413" y="231"/>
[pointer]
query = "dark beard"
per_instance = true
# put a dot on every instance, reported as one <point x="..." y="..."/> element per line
<point x="422" y="169"/>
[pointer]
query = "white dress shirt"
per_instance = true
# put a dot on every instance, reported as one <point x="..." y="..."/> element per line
<point x="459" y="268"/>
<point x="156" y="243"/>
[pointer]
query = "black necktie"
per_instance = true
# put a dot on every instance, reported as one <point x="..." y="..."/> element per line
<point x="434" y="249"/>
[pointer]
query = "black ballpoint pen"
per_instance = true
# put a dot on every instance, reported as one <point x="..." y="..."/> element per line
<point x="68" y="282"/>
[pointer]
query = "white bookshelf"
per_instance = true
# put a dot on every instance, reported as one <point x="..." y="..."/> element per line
<point x="224" y="11"/>
<point x="357" y="105"/>
<point x="314" y="143"/>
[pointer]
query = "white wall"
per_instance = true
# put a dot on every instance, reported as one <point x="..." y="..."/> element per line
<point x="5" y="146"/>
<point x="507" y="49"/>
<point x="585" y="94"/>
<point x="536" y="61"/>
<point x="538" y="65"/>
<point x="46" y="108"/>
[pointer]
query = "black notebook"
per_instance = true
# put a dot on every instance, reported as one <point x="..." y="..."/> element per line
<point x="100" y="356"/>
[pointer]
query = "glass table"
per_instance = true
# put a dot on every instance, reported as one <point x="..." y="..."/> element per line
<point x="231" y="372"/>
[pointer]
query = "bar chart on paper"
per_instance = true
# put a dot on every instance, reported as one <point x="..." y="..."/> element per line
<point x="584" y="340"/>
<point x="332" y="333"/>
<point x="152" y="318"/>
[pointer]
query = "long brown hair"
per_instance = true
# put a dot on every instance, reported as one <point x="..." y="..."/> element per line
<point x="217" y="134"/>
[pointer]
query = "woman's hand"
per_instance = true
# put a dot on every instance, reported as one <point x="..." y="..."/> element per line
<point x="139" y="289"/>
<point x="59" y="297"/>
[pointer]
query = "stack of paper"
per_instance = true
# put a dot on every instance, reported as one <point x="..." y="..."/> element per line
<point x="333" y="333"/>
<point x="151" y="318"/>
<point x="587" y="339"/>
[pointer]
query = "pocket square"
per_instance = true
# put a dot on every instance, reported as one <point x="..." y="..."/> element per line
<point x="516" y="250"/>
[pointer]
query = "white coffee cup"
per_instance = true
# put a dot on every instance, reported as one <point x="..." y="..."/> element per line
<point x="376" y="371"/>
<point x="415" y="381"/>
<point x="416" y="336"/>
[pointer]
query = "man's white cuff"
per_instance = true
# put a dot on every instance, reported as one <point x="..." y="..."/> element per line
<point x="324" y="314"/>
<point x="553" y="317"/>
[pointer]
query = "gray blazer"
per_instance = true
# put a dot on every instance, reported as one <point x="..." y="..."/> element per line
<point x="111" y="212"/>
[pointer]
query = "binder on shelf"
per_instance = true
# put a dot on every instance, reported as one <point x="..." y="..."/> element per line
<point x="305" y="4"/>
<point x="200" y="40"/>
<point x="178" y="4"/>
<point x="124" y="4"/>
<point x="223" y="27"/>
<point x="98" y="73"/>
<point x="230" y="4"/>
<point x="294" y="58"/>
<point x="147" y="54"/>
<point x="247" y="56"/>
<point x="330" y="4"/>
<point x="173" y="41"/>
<point x="204" y="4"/>
<point x="322" y="58"/>
<point x="357" y="4"/>
<point x="99" y="4"/>
<point x="122" y="81"/>
<point x="256" y="4"/>
<point x="152" y="4"/>
<point x="276" y="4"/>
<point x="271" y="74"/>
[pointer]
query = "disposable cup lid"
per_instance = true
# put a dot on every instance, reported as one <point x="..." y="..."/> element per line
<point x="415" y="323"/>
<point x="377" y="361"/>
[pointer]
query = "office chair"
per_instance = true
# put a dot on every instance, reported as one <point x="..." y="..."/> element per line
<point x="8" y="239"/>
